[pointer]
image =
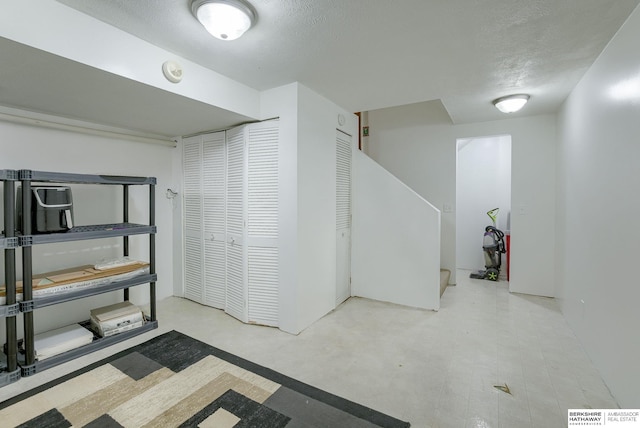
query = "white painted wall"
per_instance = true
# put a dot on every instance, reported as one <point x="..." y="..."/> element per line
<point x="317" y="122"/>
<point x="395" y="239"/>
<point x="282" y="102"/>
<point x="483" y="182"/>
<point x="417" y="143"/>
<point x="308" y="124"/>
<point x="25" y="147"/>
<point x="598" y="205"/>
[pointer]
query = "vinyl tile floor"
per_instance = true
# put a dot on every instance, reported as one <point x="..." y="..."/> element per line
<point x="433" y="369"/>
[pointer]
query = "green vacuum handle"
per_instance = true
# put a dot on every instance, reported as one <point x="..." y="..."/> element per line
<point x="493" y="215"/>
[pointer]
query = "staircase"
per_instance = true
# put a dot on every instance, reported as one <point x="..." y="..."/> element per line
<point x="395" y="239"/>
<point x="445" y="275"/>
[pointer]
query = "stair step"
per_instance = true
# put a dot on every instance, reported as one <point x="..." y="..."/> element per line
<point x="445" y="275"/>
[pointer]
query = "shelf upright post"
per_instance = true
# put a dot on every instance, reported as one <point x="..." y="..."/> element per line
<point x="10" y="274"/>
<point x="152" y="248"/>
<point x="125" y="219"/>
<point x="27" y="265"/>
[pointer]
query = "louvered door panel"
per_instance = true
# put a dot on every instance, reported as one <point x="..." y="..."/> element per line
<point x="235" y="296"/>
<point x="262" y="223"/>
<point x="214" y="274"/>
<point x="263" y="285"/>
<point x="343" y="181"/>
<point x="263" y="181"/>
<point x="235" y="225"/>
<point x="192" y="165"/>
<point x="193" y="245"/>
<point x="193" y="280"/>
<point x="235" y="183"/>
<point x="213" y="184"/>
<point x="193" y="213"/>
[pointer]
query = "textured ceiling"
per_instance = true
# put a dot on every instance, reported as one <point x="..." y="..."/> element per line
<point x="370" y="54"/>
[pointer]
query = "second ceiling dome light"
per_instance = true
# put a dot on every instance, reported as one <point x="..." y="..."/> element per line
<point x="511" y="103"/>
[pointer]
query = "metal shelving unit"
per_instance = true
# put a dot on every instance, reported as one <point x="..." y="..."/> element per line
<point x="9" y="370"/>
<point x="29" y="365"/>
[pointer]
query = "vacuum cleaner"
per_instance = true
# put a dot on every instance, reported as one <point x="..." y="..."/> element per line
<point x="493" y="248"/>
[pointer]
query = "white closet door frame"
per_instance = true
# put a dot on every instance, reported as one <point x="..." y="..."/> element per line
<point x="193" y="275"/>
<point x="262" y="232"/>
<point x="214" y="219"/>
<point x="236" y="221"/>
<point x="344" y="159"/>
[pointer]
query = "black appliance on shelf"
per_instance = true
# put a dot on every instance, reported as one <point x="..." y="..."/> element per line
<point x="51" y="209"/>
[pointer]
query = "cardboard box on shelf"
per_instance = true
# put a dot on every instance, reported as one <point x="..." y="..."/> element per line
<point x="116" y="318"/>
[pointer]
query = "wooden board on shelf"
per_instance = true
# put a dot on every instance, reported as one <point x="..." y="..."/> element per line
<point x="75" y="274"/>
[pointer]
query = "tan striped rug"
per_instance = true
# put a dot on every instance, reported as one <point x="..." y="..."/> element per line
<point x="176" y="381"/>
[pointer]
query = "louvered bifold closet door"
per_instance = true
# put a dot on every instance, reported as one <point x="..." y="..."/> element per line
<point x="236" y="296"/>
<point x="343" y="216"/>
<point x="213" y="183"/>
<point x="262" y="222"/>
<point x="192" y="194"/>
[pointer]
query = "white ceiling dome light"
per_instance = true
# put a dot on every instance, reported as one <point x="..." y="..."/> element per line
<point x="224" y="19"/>
<point x="511" y="103"/>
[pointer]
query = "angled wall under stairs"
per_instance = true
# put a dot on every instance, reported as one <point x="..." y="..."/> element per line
<point x="395" y="240"/>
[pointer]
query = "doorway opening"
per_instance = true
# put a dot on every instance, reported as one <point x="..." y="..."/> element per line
<point x="483" y="182"/>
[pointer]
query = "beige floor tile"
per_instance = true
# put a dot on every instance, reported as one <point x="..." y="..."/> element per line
<point x="379" y="354"/>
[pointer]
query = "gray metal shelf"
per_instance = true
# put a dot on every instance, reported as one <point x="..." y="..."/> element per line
<point x="41" y="302"/>
<point x="80" y="233"/>
<point x="62" y="177"/>
<point x="125" y="229"/>
<point x="97" y="344"/>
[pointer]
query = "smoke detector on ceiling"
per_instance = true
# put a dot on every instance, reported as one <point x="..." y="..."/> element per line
<point x="172" y="71"/>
